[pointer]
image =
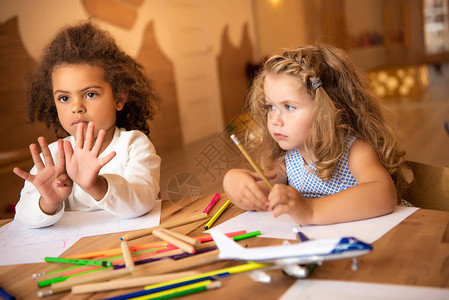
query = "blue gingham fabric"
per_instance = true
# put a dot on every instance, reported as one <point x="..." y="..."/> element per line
<point x="305" y="180"/>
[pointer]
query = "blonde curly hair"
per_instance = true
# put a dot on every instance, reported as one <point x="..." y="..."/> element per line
<point x="343" y="107"/>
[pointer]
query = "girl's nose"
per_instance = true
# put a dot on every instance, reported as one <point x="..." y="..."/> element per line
<point x="78" y="107"/>
<point x="276" y="119"/>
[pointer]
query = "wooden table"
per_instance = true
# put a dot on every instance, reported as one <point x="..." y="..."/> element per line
<point x="416" y="252"/>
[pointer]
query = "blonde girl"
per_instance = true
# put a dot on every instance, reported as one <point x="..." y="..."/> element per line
<point x="320" y="135"/>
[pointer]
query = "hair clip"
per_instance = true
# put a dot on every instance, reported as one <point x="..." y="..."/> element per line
<point x="316" y="83"/>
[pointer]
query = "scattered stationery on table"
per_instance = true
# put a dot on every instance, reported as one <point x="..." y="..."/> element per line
<point x="368" y="230"/>
<point x="16" y="240"/>
<point x="84" y="279"/>
<point x="312" y="289"/>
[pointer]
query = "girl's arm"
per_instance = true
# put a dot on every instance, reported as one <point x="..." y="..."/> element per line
<point x="374" y="195"/>
<point x="247" y="190"/>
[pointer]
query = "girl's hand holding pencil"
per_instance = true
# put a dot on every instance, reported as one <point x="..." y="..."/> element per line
<point x="246" y="189"/>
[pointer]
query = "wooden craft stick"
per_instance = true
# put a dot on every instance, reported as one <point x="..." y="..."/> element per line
<point x="129" y="282"/>
<point x="66" y="285"/>
<point x="168" y="225"/>
<point x="182" y="237"/>
<point x="174" y="241"/>
<point x="129" y="263"/>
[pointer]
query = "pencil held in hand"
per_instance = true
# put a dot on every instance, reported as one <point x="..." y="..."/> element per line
<point x="251" y="161"/>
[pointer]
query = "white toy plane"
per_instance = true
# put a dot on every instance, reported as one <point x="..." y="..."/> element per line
<point x="290" y="256"/>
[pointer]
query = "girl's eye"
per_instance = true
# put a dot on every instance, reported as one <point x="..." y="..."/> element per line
<point x="289" y="107"/>
<point x="269" y="107"/>
<point x="63" y="99"/>
<point x="91" y="95"/>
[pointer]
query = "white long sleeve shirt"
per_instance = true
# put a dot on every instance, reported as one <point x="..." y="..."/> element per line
<point x="132" y="176"/>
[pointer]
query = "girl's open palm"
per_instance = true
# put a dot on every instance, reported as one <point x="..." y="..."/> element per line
<point x="82" y="162"/>
<point x="51" y="179"/>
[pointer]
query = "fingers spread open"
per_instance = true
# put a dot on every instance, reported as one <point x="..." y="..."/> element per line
<point x="68" y="151"/>
<point x="22" y="174"/>
<point x="79" y="136"/>
<point x="104" y="160"/>
<point x="99" y="142"/>
<point x="89" y="139"/>
<point x="36" y="157"/>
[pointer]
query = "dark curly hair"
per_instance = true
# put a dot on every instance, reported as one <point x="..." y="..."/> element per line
<point x="87" y="44"/>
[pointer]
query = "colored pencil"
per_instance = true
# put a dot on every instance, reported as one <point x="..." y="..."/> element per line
<point x="218" y="214"/>
<point x="205" y="276"/>
<point x="251" y="161"/>
<point x="5" y="295"/>
<point x="187" y="290"/>
<point x="128" y="283"/>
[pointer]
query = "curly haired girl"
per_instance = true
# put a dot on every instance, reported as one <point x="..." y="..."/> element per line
<point x="321" y="135"/>
<point x="87" y="88"/>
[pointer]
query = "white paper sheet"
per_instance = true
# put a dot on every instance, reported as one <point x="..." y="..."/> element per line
<point x="34" y="253"/>
<point x="366" y="230"/>
<point x="17" y="240"/>
<point x="312" y="289"/>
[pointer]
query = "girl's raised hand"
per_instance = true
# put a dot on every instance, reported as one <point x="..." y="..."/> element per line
<point x="82" y="162"/>
<point x="284" y="199"/>
<point x="246" y="189"/>
<point x="51" y="179"/>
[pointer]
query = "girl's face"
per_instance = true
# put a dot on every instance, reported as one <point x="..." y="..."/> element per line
<point x="290" y="111"/>
<point x="82" y="95"/>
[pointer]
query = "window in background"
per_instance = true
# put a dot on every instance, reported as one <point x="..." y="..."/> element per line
<point x="436" y="26"/>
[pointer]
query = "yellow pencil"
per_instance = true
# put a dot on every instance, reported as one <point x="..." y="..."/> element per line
<point x="251" y="161"/>
<point x="215" y="217"/>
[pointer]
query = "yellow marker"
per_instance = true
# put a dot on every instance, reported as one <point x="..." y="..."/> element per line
<point x="215" y="217"/>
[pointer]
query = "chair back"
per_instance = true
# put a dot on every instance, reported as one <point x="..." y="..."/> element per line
<point x="430" y="187"/>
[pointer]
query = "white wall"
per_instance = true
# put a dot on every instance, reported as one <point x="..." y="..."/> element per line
<point x="188" y="31"/>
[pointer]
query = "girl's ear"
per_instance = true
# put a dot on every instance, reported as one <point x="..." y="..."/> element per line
<point x="120" y="102"/>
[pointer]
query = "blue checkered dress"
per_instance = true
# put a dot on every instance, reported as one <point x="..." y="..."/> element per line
<point x="309" y="184"/>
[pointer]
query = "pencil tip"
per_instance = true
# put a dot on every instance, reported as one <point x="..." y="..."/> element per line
<point x="205" y="227"/>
